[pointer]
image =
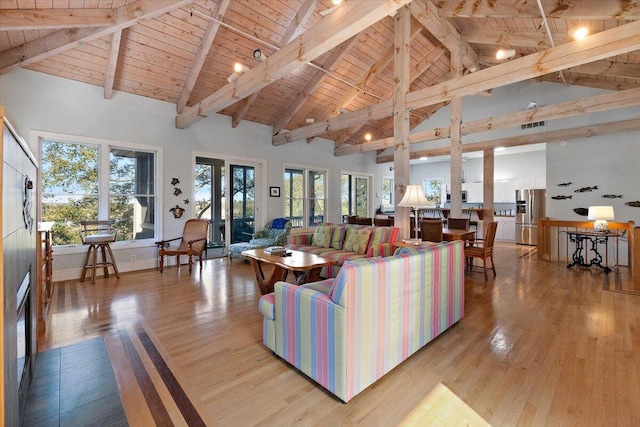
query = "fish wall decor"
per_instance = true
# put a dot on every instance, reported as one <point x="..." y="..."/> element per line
<point x="561" y="197"/>
<point x="583" y="189"/>
<point x="612" y="196"/>
<point x="565" y="184"/>
<point x="635" y="204"/>
<point x="583" y="211"/>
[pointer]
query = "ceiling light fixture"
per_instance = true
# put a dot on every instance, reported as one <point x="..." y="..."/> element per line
<point x="505" y="54"/>
<point x="336" y="2"/>
<point x="367" y="137"/>
<point x="240" y="68"/>
<point x="310" y="120"/>
<point x="258" y="55"/>
<point x="580" y="33"/>
<point x="233" y="77"/>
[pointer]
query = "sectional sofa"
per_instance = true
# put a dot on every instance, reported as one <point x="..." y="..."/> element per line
<point x="347" y="332"/>
<point x="345" y="242"/>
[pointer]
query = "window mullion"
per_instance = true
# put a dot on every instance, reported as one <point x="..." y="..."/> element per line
<point x="103" y="182"/>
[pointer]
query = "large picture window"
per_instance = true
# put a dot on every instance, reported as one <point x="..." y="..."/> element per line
<point x="355" y="195"/>
<point x="305" y="196"/>
<point x="84" y="180"/>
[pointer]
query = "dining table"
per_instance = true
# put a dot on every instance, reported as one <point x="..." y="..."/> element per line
<point x="450" y="234"/>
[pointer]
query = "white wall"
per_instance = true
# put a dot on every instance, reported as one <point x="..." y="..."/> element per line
<point x="37" y="101"/>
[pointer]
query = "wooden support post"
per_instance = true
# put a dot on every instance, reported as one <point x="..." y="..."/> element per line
<point x="456" y="143"/>
<point x="487" y="193"/>
<point x="401" y="153"/>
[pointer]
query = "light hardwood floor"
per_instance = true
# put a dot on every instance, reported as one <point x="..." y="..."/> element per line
<point x="539" y="345"/>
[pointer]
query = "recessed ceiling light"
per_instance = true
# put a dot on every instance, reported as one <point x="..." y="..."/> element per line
<point x="580" y="33"/>
<point x="367" y="136"/>
<point x="336" y="2"/>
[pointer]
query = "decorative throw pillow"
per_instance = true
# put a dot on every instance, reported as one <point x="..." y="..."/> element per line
<point x="356" y="240"/>
<point x="337" y="238"/>
<point x="322" y="236"/>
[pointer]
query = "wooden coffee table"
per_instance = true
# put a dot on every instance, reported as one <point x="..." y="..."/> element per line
<point x="305" y="267"/>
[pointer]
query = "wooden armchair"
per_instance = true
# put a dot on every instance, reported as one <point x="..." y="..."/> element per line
<point x="483" y="248"/>
<point x="193" y="242"/>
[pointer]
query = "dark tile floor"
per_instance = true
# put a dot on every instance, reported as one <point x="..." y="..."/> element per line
<point x="75" y="386"/>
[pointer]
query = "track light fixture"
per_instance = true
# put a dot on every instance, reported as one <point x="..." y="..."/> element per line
<point x="259" y="56"/>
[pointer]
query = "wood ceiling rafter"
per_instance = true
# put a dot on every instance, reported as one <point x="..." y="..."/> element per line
<point x="416" y="71"/>
<point x="615" y="41"/>
<point x="63" y="40"/>
<point x="511" y="38"/>
<point x="55" y="19"/>
<point x="536" y="138"/>
<point x="588" y="82"/>
<point x="568" y="9"/>
<point x="608" y="68"/>
<point x="112" y="63"/>
<point x="426" y="13"/>
<point x="314" y="83"/>
<point x="295" y="28"/>
<point x="606" y="102"/>
<point x="201" y="55"/>
<point x="345" y="22"/>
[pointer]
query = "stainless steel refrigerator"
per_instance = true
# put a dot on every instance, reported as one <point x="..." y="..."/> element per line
<point x="530" y="205"/>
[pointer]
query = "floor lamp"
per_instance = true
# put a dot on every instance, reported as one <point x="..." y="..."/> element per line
<point x="414" y="198"/>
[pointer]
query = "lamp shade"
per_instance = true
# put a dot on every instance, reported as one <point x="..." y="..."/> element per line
<point x="600" y="212"/>
<point x="414" y="197"/>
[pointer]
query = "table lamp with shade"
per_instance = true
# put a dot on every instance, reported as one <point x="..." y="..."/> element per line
<point x="600" y="215"/>
<point x="415" y="199"/>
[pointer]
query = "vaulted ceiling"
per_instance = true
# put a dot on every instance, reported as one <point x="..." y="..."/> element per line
<point x="329" y="69"/>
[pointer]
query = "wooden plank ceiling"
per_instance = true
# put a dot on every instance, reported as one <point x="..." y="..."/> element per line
<point x="183" y="52"/>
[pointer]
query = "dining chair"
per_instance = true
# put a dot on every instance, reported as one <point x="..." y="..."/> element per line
<point x="431" y="230"/>
<point x="383" y="222"/>
<point x="458" y="223"/>
<point x="364" y="221"/>
<point x="482" y="248"/>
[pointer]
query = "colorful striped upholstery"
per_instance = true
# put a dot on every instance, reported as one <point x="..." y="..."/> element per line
<point x="380" y="244"/>
<point x="346" y="333"/>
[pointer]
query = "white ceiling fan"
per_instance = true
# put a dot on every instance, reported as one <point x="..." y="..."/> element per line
<point x="337" y="4"/>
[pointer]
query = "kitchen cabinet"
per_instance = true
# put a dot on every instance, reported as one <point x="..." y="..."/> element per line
<point x="474" y="191"/>
<point x="506" y="228"/>
<point x="505" y="191"/>
<point x="532" y="182"/>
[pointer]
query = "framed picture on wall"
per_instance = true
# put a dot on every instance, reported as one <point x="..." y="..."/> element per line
<point x="274" y="191"/>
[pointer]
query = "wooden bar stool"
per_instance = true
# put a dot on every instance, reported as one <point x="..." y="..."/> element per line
<point x="98" y="234"/>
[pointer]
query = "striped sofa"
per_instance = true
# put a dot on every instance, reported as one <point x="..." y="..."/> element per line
<point x="379" y="243"/>
<point x="347" y="332"/>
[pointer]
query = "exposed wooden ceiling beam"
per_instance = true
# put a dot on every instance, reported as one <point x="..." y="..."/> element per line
<point x="538" y="138"/>
<point x="343" y="23"/>
<point x="565" y="9"/>
<point x="383" y="61"/>
<point x="201" y="55"/>
<point x="63" y="40"/>
<point x="335" y="56"/>
<point x="511" y="38"/>
<point x="112" y="63"/>
<point x="426" y="13"/>
<point x="589" y="82"/>
<point x="54" y="19"/>
<point x="295" y="28"/>
<point x="615" y="41"/>
<point x="608" y="68"/>
<point x="416" y="71"/>
<point x="606" y="102"/>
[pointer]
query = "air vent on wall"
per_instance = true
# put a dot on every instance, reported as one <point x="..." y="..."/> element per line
<point x="532" y="125"/>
